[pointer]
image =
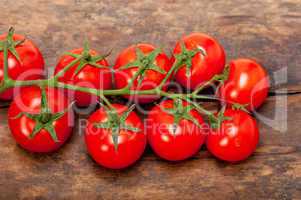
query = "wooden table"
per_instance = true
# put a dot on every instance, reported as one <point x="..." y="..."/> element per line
<point x="267" y="30"/>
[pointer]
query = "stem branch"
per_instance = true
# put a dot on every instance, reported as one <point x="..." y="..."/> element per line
<point x="7" y="83"/>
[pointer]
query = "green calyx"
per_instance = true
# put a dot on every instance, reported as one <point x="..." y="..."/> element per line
<point x="216" y="121"/>
<point x="185" y="57"/>
<point x="143" y="63"/>
<point x="116" y="122"/>
<point x="44" y="119"/>
<point x="85" y="58"/>
<point x="179" y="111"/>
<point x="11" y="44"/>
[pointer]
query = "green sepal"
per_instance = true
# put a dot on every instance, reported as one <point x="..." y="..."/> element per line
<point x="11" y="44"/>
<point x="115" y="135"/>
<point x="44" y="119"/>
<point x="130" y="128"/>
<point x="37" y="128"/>
<point x="31" y="116"/>
<point x="135" y="63"/>
<point x="98" y="58"/>
<point x="153" y="55"/>
<point x="185" y="57"/>
<point x="81" y="65"/>
<point x="58" y="115"/>
<point x="115" y="123"/>
<point x="98" y="65"/>
<point x="216" y="121"/>
<point x="156" y="68"/>
<point x="179" y="112"/>
<point x="144" y="63"/>
<point x="139" y="53"/>
<point x="126" y="114"/>
<point x="52" y="132"/>
<point x="85" y="58"/>
<point x="74" y="55"/>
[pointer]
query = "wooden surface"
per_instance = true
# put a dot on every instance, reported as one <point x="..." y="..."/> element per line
<point x="268" y="30"/>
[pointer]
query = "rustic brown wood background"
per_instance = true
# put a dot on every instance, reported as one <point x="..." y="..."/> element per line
<point x="268" y="30"/>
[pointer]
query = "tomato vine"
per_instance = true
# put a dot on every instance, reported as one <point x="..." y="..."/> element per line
<point x="186" y="58"/>
<point x="143" y="62"/>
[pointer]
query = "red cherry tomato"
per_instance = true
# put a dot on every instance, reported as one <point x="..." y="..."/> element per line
<point x="247" y="84"/>
<point x="170" y="143"/>
<point x="100" y="145"/>
<point x="90" y="76"/>
<point x="236" y="139"/>
<point x="30" y="66"/>
<point x="22" y="127"/>
<point x="203" y="68"/>
<point x="151" y="79"/>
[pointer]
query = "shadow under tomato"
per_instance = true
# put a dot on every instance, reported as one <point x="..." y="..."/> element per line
<point x="4" y="104"/>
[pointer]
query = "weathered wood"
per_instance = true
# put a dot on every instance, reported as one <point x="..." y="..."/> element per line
<point x="269" y="31"/>
<point x="266" y="30"/>
<point x="273" y="172"/>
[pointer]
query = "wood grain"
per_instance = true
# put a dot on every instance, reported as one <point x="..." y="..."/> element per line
<point x="273" y="172"/>
<point x="268" y="30"/>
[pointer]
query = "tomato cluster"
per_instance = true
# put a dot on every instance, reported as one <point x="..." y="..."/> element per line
<point x="41" y="118"/>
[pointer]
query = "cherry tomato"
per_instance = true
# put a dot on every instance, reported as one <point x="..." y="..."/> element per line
<point x="247" y="84"/>
<point x="30" y="66"/>
<point x="236" y="139"/>
<point x="203" y="67"/>
<point x="100" y="144"/>
<point x="89" y="76"/>
<point x="174" y="142"/>
<point x="22" y="126"/>
<point x="151" y="78"/>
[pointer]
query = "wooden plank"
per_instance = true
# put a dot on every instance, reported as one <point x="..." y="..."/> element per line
<point x="265" y="30"/>
<point x="272" y="173"/>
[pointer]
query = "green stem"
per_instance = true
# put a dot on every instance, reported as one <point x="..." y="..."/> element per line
<point x="196" y="91"/>
<point x="5" y="57"/>
<point x="175" y="65"/>
<point x="107" y="102"/>
<point x="201" y="109"/>
<point x="131" y="82"/>
<point x="54" y="83"/>
<point x="114" y="92"/>
<point x="65" y="69"/>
